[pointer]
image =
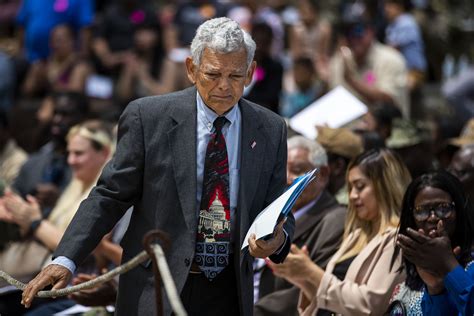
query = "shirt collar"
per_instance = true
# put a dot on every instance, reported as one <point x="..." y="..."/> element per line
<point x="210" y="115"/>
<point x="303" y="210"/>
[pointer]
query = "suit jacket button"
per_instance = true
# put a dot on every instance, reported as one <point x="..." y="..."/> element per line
<point x="187" y="262"/>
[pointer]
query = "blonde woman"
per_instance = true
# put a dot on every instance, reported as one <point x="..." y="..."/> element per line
<point x="89" y="147"/>
<point x="360" y="277"/>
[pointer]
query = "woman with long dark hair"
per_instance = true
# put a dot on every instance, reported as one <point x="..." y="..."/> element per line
<point x="435" y="236"/>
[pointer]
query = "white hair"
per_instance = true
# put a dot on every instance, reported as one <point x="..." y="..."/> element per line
<point x="317" y="154"/>
<point x="222" y="35"/>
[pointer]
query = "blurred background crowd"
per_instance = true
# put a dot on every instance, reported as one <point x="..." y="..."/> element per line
<point x="409" y="61"/>
<point x="68" y="68"/>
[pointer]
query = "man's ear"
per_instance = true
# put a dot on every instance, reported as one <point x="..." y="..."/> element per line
<point x="250" y="72"/>
<point x="191" y="70"/>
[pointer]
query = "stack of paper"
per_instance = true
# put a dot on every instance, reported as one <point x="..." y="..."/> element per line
<point x="265" y="222"/>
<point x="335" y="109"/>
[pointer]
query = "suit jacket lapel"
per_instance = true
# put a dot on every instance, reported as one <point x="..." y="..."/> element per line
<point x="182" y="141"/>
<point x="252" y="152"/>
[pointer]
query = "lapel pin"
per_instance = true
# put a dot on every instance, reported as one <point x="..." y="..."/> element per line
<point x="254" y="143"/>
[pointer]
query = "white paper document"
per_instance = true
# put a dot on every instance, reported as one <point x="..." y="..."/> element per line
<point x="265" y="222"/>
<point x="335" y="109"/>
<point x="79" y="309"/>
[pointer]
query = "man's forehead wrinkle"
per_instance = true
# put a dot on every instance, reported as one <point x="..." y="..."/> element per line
<point x="221" y="68"/>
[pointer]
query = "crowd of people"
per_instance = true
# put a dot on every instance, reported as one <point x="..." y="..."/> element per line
<point x="387" y="226"/>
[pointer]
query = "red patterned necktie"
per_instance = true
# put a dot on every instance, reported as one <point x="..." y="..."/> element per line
<point x="213" y="235"/>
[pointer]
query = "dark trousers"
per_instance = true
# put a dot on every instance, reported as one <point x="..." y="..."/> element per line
<point x="217" y="297"/>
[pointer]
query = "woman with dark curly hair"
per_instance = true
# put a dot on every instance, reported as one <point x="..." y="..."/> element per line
<point x="436" y="235"/>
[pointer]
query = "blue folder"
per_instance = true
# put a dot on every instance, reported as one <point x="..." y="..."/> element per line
<point x="302" y="182"/>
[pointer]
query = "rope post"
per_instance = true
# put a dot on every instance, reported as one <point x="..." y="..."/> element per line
<point x="149" y="238"/>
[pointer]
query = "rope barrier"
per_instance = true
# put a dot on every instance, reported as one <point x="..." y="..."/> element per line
<point x="168" y="282"/>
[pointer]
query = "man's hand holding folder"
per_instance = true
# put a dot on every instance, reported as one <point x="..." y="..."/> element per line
<point x="265" y="224"/>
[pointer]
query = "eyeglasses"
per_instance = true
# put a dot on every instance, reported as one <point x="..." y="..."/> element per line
<point x="441" y="210"/>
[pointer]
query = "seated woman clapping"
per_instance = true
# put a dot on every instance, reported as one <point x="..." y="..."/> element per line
<point x="89" y="148"/>
<point x="436" y="236"/>
<point x="360" y="277"/>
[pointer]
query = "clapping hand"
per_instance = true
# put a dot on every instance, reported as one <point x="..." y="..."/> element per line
<point x="348" y="62"/>
<point x="296" y="267"/>
<point x="433" y="255"/>
<point x="5" y="215"/>
<point x="47" y="194"/>
<point x="18" y="211"/>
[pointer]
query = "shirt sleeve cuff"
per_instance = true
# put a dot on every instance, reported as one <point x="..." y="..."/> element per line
<point x="65" y="262"/>
<point x="435" y="304"/>
<point x="282" y="245"/>
<point x="456" y="281"/>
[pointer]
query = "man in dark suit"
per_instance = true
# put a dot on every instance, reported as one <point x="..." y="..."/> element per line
<point x="319" y="226"/>
<point x="160" y="167"/>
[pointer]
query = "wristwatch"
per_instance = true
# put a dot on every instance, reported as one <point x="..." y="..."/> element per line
<point x="34" y="226"/>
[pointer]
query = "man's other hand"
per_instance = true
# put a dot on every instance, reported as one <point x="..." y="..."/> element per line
<point x="53" y="274"/>
<point x="265" y="248"/>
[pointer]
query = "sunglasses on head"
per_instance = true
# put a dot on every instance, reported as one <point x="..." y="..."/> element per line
<point x="441" y="210"/>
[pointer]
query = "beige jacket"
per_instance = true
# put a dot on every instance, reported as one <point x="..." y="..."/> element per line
<point x="368" y="284"/>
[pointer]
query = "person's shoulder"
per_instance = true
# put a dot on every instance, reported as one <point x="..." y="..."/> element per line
<point x="164" y="102"/>
<point x="407" y="20"/>
<point x="387" y="51"/>
<point x="165" y="98"/>
<point x="39" y="158"/>
<point x="265" y="115"/>
<point x="336" y="213"/>
<point x="388" y="55"/>
<point x="389" y="234"/>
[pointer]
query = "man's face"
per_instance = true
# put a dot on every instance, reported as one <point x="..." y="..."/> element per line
<point x="65" y="116"/>
<point x="307" y="12"/>
<point x="359" y="40"/>
<point x="297" y="165"/>
<point x="462" y="166"/>
<point x="220" y="78"/>
<point x="62" y="41"/>
<point x="145" y="40"/>
<point x="303" y="77"/>
<point x="391" y="10"/>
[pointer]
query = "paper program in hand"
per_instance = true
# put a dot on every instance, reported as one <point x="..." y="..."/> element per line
<point x="265" y="222"/>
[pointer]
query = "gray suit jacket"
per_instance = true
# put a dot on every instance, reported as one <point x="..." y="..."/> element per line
<point x="154" y="169"/>
<point x="321" y="229"/>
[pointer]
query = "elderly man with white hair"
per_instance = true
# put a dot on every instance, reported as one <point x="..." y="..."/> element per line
<point x="319" y="227"/>
<point x="199" y="164"/>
